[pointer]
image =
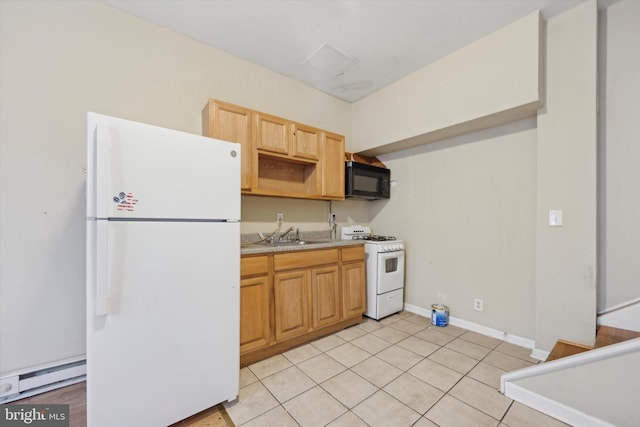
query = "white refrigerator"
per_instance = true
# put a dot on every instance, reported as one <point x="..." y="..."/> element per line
<point x="163" y="272"/>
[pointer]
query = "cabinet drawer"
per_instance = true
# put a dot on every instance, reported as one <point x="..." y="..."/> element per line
<point x="303" y="259"/>
<point x="354" y="253"/>
<point x="250" y="266"/>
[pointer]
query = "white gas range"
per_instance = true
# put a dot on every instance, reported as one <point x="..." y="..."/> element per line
<point x="385" y="270"/>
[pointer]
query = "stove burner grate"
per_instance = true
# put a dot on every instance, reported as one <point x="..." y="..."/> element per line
<point x="374" y="237"/>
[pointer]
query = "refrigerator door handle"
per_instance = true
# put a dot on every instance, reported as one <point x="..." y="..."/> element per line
<point x="103" y="148"/>
<point x="102" y="269"/>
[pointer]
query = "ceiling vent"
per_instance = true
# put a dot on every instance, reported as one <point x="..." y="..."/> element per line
<point x="329" y="61"/>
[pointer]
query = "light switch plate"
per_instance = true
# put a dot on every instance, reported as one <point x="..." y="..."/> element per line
<point x="555" y="218"/>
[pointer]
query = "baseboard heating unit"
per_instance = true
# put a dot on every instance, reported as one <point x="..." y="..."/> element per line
<point x="23" y="385"/>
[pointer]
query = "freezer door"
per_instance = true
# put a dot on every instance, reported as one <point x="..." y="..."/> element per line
<point x="142" y="171"/>
<point x="168" y="346"/>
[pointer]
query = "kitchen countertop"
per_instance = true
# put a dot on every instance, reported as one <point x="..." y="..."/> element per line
<point x="320" y="239"/>
<point x="261" y="248"/>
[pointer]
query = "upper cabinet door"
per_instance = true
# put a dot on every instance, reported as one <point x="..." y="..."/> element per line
<point x="306" y="141"/>
<point x="280" y="157"/>
<point x="272" y="134"/>
<point x="333" y="166"/>
<point x="232" y="123"/>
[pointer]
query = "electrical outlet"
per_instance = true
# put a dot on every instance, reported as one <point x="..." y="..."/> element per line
<point x="477" y="304"/>
<point x="331" y="218"/>
<point x="280" y="217"/>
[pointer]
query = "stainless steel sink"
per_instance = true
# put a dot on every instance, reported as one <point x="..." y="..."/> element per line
<point x="293" y="242"/>
<point x="310" y="242"/>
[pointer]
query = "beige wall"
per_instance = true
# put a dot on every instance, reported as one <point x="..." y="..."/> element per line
<point x="60" y="59"/>
<point x="466" y="214"/>
<point x="566" y="256"/>
<point x="466" y="207"/>
<point x="259" y="213"/>
<point x="494" y="80"/>
<point x="619" y="155"/>
<point x="474" y="209"/>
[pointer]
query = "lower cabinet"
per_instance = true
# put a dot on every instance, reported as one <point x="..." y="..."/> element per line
<point x="291" y="291"/>
<point x="255" y="318"/>
<point x="354" y="292"/>
<point x="325" y="293"/>
<point x="354" y="296"/>
<point x="255" y="328"/>
<point x="289" y="298"/>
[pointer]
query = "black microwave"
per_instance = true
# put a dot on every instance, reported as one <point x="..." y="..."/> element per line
<point x="366" y="182"/>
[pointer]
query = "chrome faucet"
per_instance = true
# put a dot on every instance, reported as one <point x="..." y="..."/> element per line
<point x="289" y="230"/>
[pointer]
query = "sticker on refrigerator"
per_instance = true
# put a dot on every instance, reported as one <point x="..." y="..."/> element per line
<point x="125" y="201"/>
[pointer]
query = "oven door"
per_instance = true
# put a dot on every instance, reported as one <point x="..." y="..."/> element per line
<point x="390" y="271"/>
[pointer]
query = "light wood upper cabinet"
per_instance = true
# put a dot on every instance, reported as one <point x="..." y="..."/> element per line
<point x="283" y="137"/>
<point x="333" y="165"/>
<point x="272" y="134"/>
<point x="280" y="157"/>
<point x="305" y="142"/>
<point x="231" y="123"/>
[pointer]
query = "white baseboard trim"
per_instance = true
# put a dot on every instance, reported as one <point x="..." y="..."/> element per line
<point x="625" y="316"/>
<point x="484" y="330"/>
<point x="573" y="360"/>
<point x="550" y="407"/>
<point x="540" y="354"/>
<point x="553" y="408"/>
<point x="417" y="310"/>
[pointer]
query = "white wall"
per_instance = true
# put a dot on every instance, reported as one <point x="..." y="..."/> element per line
<point x="59" y="60"/>
<point x="619" y="155"/>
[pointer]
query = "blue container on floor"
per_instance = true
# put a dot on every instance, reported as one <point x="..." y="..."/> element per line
<point x="439" y="315"/>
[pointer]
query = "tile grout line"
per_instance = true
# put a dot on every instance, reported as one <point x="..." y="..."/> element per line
<point x="403" y="371"/>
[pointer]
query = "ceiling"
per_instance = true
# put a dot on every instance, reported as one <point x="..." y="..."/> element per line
<point x="346" y="48"/>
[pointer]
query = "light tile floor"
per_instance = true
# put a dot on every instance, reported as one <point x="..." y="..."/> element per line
<point x="401" y="371"/>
